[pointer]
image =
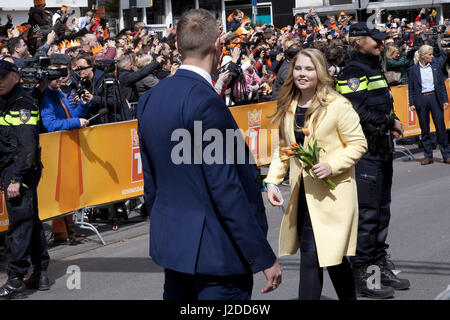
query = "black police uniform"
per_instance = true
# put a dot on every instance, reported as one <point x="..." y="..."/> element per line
<point x="21" y="163"/>
<point x="363" y="83"/>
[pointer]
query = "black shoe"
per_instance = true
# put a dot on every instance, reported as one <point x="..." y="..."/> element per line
<point x="363" y="289"/>
<point x="388" y="278"/>
<point x="38" y="280"/>
<point x="14" y="288"/>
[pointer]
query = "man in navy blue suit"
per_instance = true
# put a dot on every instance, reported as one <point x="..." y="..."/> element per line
<point x="427" y="93"/>
<point x="208" y="224"/>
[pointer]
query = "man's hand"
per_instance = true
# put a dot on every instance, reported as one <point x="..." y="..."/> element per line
<point x="235" y="54"/>
<point x="13" y="190"/>
<point x="86" y="97"/>
<point x="445" y="105"/>
<point x="51" y="38"/>
<point x="224" y="77"/>
<point x="273" y="276"/>
<point x="111" y="43"/>
<point x="158" y="48"/>
<point x="412" y="108"/>
<point x="15" y="32"/>
<point x="83" y="123"/>
<point x="160" y="59"/>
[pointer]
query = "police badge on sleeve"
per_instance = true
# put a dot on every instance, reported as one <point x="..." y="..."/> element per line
<point x="24" y="115"/>
<point x="353" y="84"/>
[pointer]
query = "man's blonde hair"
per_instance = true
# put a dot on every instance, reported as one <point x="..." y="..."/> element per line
<point x="196" y="33"/>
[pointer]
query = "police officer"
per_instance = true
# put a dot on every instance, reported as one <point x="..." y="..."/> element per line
<point x="21" y="168"/>
<point x="363" y="83"/>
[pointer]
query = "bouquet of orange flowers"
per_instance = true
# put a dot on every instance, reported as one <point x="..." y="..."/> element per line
<point x="309" y="156"/>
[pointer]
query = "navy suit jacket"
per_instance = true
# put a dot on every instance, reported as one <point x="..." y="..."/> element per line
<point x="415" y="81"/>
<point x="205" y="218"/>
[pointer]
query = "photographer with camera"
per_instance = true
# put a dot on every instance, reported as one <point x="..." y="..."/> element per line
<point x="425" y="17"/>
<point x="60" y="111"/>
<point x="128" y="77"/>
<point x="92" y="79"/>
<point x="20" y="168"/>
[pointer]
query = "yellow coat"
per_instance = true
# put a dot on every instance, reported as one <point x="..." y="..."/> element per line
<point x="334" y="213"/>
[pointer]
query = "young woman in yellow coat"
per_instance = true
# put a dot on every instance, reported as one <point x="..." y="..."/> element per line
<point x="322" y="222"/>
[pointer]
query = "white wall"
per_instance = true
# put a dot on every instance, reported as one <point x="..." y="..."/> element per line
<point x="308" y="3"/>
<point x="24" y="5"/>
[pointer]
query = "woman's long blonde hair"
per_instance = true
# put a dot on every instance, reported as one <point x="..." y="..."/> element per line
<point x="289" y="91"/>
<point x="390" y="50"/>
<point x="423" y="50"/>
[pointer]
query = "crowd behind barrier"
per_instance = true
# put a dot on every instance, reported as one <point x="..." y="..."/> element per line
<point x="117" y="68"/>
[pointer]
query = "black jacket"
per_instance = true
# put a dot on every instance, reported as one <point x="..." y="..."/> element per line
<point x="363" y="83"/>
<point x="128" y="79"/>
<point x="19" y="134"/>
<point x="281" y="78"/>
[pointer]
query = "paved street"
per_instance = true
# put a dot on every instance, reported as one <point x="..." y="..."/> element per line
<point x="419" y="238"/>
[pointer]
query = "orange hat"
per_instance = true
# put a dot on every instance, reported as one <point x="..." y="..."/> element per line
<point x="22" y="29"/>
<point x="63" y="8"/>
<point x="39" y="3"/>
<point x="97" y="49"/>
<point x="341" y="14"/>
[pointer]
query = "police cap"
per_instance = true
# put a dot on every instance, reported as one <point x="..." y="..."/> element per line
<point x="362" y="29"/>
<point x="6" y="67"/>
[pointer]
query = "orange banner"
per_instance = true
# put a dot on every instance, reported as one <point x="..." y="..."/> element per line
<point x="255" y="126"/>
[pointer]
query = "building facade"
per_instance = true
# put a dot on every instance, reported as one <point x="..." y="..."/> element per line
<point x="19" y="9"/>
<point x="399" y="8"/>
<point x="164" y="13"/>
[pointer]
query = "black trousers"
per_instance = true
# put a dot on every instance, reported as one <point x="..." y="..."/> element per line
<point x="182" y="286"/>
<point x="311" y="274"/>
<point x="374" y="183"/>
<point x="424" y="106"/>
<point x="25" y="232"/>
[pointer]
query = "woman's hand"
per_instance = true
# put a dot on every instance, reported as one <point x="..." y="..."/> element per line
<point x="273" y="196"/>
<point x="322" y="170"/>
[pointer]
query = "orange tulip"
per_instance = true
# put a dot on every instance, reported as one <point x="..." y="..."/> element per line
<point x="285" y="149"/>
<point x="294" y="144"/>
<point x="290" y="153"/>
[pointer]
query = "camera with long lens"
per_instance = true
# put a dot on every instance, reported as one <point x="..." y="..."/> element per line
<point x="106" y="65"/>
<point x="37" y="70"/>
<point x="109" y="67"/>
